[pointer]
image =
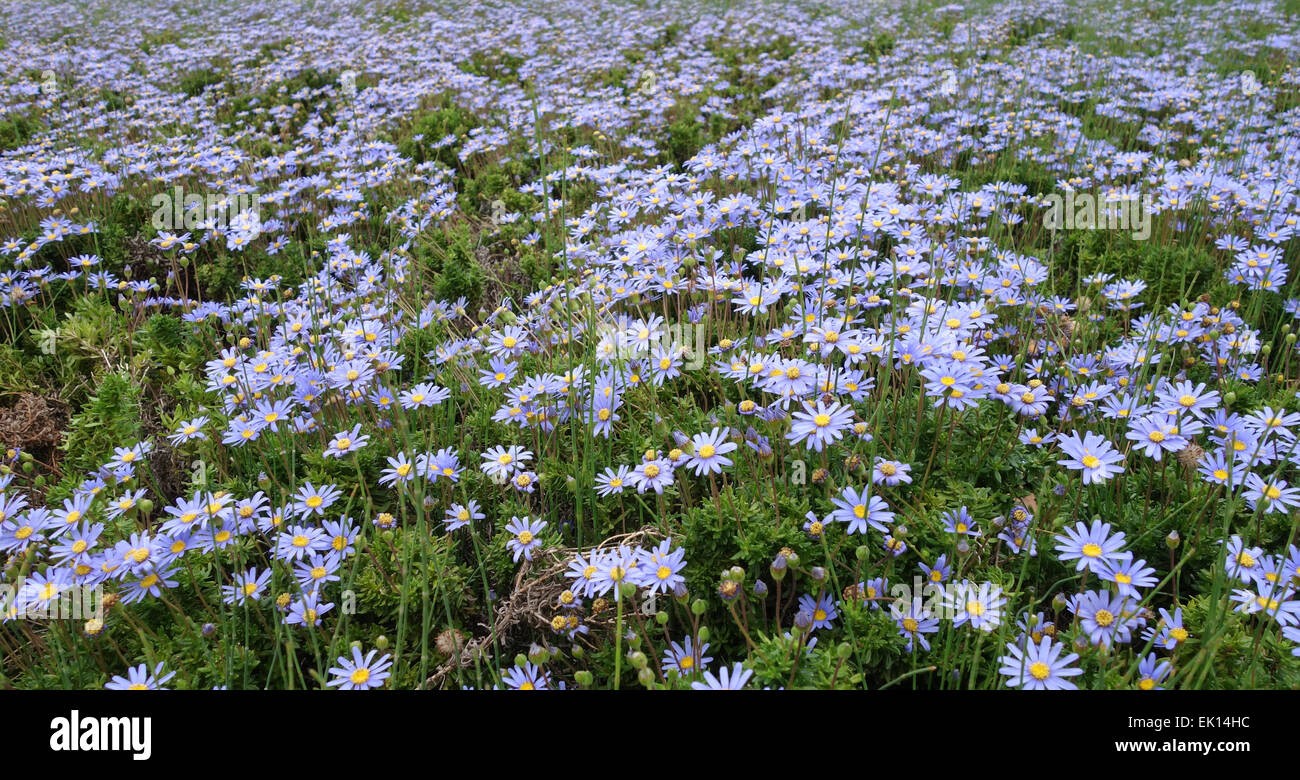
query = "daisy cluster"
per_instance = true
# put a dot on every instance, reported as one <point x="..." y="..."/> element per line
<point x="736" y="239"/>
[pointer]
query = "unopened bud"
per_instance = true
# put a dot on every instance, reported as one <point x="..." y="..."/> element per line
<point x="778" y="567"/>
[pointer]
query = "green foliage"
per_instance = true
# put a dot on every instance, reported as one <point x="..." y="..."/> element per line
<point x="419" y="142"/>
<point x="194" y="82"/>
<point x="450" y="256"/>
<point x="110" y="419"/>
<point x="18" y="130"/>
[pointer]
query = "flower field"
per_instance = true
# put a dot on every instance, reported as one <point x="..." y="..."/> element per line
<point x="672" y="345"/>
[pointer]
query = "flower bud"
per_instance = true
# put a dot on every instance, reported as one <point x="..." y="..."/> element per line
<point x="862" y="553"/>
<point x="803" y="619"/>
<point x="637" y="659"/>
<point x="843" y="651"/>
<point x="703" y="633"/>
<point x="646" y="677"/>
<point x="1172" y="540"/>
<point x="818" y="573"/>
<point x="778" y="567"/>
<point x="583" y="678"/>
<point x="760" y="589"/>
<point x="381" y="642"/>
<point x="698" y="607"/>
<point x="661" y="618"/>
<point x="521" y="660"/>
